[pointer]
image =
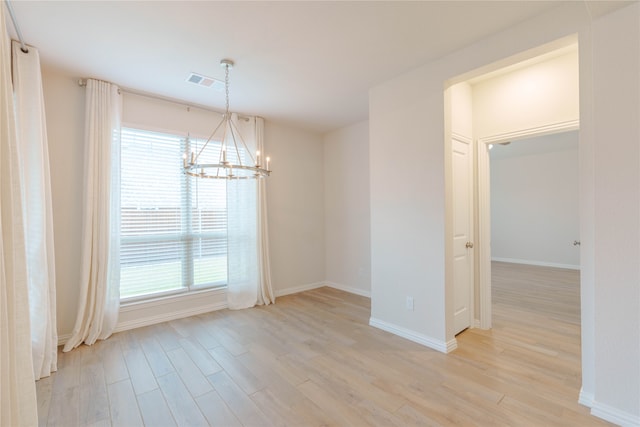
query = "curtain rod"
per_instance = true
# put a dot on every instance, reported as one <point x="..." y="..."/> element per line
<point x="83" y="83"/>
<point x="23" y="46"/>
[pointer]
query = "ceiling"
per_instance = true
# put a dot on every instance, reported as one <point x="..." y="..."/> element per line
<point x="307" y="64"/>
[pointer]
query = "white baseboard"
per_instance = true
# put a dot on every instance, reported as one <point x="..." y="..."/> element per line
<point x="452" y="344"/>
<point x="441" y="346"/>
<point x="316" y="285"/>
<point x="301" y="288"/>
<point x="585" y="398"/>
<point x="538" y="263"/>
<point x="614" y="415"/>
<point x="349" y="289"/>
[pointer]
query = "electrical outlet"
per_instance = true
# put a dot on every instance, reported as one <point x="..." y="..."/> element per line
<point x="409" y="303"/>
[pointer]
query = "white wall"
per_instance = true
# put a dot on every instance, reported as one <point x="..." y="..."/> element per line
<point x="462" y="109"/>
<point x="64" y="106"/>
<point x="164" y="116"/>
<point x="616" y="114"/>
<point x="406" y="157"/>
<point x="346" y="209"/>
<point x="534" y="201"/>
<point x="530" y="97"/>
<point x="296" y="208"/>
<point x="295" y="204"/>
<point x="407" y="212"/>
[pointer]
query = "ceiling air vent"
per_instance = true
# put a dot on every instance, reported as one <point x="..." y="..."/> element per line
<point x="205" y="81"/>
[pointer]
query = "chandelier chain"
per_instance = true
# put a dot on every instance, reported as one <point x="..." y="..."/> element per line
<point x="226" y="87"/>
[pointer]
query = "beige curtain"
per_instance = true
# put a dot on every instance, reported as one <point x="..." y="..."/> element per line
<point x="249" y="281"/>
<point x="265" y="291"/>
<point x="99" y="299"/>
<point x="38" y="210"/>
<point x="242" y="263"/>
<point x="18" y="406"/>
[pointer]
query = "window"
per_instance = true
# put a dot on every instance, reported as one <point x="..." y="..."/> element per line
<point x="173" y="227"/>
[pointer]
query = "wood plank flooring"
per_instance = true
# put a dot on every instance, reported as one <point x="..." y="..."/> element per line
<point x="312" y="360"/>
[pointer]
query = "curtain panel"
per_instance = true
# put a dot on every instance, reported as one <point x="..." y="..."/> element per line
<point x="37" y="207"/>
<point x="265" y="291"/>
<point x="18" y="405"/>
<point x="99" y="299"/>
<point x="249" y="281"/>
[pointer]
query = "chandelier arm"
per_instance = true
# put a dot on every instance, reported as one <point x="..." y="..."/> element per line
<point x="210" y="138"/>
<point x="235" y="144"/>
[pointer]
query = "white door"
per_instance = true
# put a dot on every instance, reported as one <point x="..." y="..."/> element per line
<point x="462" y="233"/>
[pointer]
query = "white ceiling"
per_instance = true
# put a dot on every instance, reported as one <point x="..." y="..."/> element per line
<point x="307" y="64"/>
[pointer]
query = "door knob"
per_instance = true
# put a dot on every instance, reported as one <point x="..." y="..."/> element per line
<point x="576" y="243"/>
<point x="469" y="245"/>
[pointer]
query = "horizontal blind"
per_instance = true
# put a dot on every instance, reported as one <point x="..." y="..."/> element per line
<point x="209" y="228"/>
<point x="173" y="226"/>
<point x="208" y="221"/>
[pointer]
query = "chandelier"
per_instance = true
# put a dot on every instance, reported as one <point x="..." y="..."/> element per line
<point x="232" y="159"/>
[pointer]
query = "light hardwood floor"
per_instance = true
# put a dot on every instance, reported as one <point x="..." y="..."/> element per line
<point x="311" y="359"/>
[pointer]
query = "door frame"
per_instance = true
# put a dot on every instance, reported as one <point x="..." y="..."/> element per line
<point x="483" y="200"/>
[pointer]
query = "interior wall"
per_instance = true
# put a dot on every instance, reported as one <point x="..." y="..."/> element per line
<point x="534" y="201"/>
<point x="616" y="112"/>
<point x="462" y="109"/>
<point x="64" y="106"/>
<point x="164" y="116"/>
<point x="346" y="209"/>
<point x="534" y="96"/>
<point x="295" y="194"/>
<point x="408" y="206"/>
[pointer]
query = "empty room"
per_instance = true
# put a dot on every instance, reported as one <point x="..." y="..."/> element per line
<point x="243" y="213"/>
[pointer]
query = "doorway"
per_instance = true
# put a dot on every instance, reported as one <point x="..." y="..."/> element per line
<point x="532" y="98"/>
<point x="535" y="257"/>
<point x="484" y="234"/>
<point x="534" y="201"/>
